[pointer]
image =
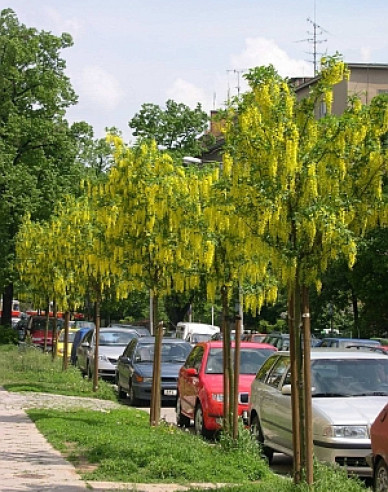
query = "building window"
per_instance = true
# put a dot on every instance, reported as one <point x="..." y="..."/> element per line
<point x="322" y="109"/>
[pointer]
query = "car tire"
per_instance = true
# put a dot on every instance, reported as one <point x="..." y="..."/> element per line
<point x="131" y="396"/>
<point x="381" y="477"/>
<point x="199" y="423"/>
<point x="181" y="420"/>
<point x="266" y="452"/>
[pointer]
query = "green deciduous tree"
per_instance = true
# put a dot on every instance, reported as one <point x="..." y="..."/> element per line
<point x="37" y="147"/>
<point x="177" y="127"/>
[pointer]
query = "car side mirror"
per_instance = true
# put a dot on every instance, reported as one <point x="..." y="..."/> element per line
<point x="85" y="344"/>
<point x="191" y="371"/>
<point x="286" y="390"/>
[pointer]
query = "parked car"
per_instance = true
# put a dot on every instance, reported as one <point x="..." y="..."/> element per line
<point x="77" y="340"/>
<point x="346" y="342"/>
<point x="347" y="395"/>
<point x="200" y="384"/>
<point x="282" y="340"/>
<point x="254" y="337"/>
<point x="112" y="342"/>
<point x="135" y="368"/>
<point x="141" y="330"/>
<point x="36" y="330"/>
<point x="379" y="457"/>
<point x="60" y="345"/>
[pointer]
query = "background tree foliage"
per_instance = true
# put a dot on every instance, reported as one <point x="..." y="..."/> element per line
<point x="177" y="127"/>
<point x="37" y="145"/>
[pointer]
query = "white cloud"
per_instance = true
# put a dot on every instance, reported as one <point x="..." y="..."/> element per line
<point x="99" y="87"/>
<point x="71" y="25"/>
<point x="365" y="54"/>
<point x="263" y="52"/>
<point x="187" y="93"/>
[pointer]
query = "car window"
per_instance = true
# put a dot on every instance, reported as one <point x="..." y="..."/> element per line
<point x="70" y="339"/>
<point x="195" y="357"/>
<point x="277" y="372"/>
<point x="116" y="337"/>
<point x="265" y="368"/>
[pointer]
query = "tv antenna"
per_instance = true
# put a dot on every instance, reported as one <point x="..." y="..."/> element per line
<point x="313" y="38"/>
<point x="238" y="72"/>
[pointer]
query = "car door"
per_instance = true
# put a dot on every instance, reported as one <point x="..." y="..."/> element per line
<point x="275" y="407"/>
<point x="188" y="385"/>
<point x="124" y="364"/>
<point x="83" y="351"/>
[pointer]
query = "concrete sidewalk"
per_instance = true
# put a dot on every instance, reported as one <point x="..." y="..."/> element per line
<point x="29" y="463"/>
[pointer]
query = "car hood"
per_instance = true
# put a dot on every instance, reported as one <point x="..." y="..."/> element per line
<point x="215" y="383"/>
<point x="168" y="370"/>
<point x="360" y="410"/>
<point x="111" y="350"/>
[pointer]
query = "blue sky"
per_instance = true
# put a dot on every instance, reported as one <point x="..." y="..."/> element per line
<point x="130" y="52"/>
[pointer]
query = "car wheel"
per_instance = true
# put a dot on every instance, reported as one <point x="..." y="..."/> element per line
<point x="199" y="423"/>
<point x="181" y="420"/>
<point x="266" y="452"/>
<point x="131" y="396"/>
<point x="381" y="477"/>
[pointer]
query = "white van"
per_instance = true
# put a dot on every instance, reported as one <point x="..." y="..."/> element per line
<point x="195" y="332"/>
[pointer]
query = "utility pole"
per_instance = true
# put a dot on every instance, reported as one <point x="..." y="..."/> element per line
<point x="238" y="72"/>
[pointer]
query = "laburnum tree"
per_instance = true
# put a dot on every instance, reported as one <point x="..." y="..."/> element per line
<point x="309" y="188"/>
<point x="37" y="146"/>
<point x="150" y="210"/>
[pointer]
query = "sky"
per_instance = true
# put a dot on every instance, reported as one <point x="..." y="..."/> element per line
<point x="130" y="52"/>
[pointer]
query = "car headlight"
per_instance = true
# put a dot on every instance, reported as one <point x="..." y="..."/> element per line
<point x="347" y="431"/>
<point x="218" y="397"/>
<point x="141" y="379"/>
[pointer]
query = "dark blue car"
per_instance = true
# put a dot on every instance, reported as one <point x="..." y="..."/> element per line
<point x="135" y="367"/>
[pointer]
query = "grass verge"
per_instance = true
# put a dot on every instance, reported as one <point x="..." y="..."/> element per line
<point x="29" y="369"/>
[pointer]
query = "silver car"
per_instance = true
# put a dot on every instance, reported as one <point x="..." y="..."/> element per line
<point x="348" y="392"/>
<point x="112" y="343"/>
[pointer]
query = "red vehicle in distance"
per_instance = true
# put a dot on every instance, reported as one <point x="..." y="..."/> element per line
<point x="200" y="383"/>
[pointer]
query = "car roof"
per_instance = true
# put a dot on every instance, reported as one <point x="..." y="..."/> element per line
<point x="164" y="340"/>
<point x="117" y="329"/>
<point x="243" y="344"/>
<point x="317" y="353"/>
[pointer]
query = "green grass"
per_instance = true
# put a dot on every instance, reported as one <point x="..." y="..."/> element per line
<point x="29" y="369"/>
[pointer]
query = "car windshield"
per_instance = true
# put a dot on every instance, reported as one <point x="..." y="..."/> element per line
<point x="39" y="324"/>
<point x="116" y="337"/>
<point x="251" y="360"/>
<point x="171" y="352"/>
<point x="349" y="377"/>
<point x="70" y="338"/>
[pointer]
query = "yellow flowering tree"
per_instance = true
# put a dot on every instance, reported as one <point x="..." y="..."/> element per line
<point x="150" y="215"/>
<point x="307" y="188"/>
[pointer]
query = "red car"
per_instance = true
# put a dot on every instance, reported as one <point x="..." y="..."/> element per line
<point x="379" y="458"/>
<point x="200" y="383"/>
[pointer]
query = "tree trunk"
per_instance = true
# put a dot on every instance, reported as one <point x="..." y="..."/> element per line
<point x="55" y="331"/>
<point x="66" y="341"/>
<point x="156" y="386"/>
<point x="6" y="316"/>
<point x="226" y="357"/>
<point x="308" y="419"/>
<point x="236" y="375"/>
<point x="46" y="328"/>
<point x="294" y="386"/>
<point x="97" y="322"/>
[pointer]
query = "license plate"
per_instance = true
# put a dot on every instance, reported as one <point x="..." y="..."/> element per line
<point x="169" y="392"/>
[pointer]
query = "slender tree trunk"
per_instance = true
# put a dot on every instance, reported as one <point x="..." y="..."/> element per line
<point x="236" y="375"/>
<point x="46" y="328"/>
<point x="156" y="386"/>
<point x="294" y="386"/>
<point x="308" y="419"/>
<point x="226" y="357"/>
<point x="66" y="341"/>
<point x="97" y="321"/>
<point x="55" y="331"/>
<point x="6" y="316"/>
<point x="355" y="314"/>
